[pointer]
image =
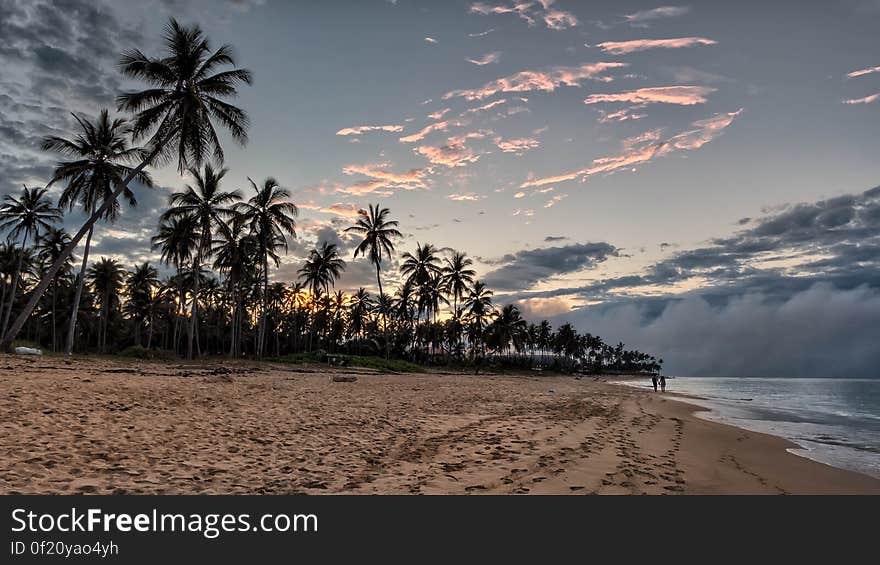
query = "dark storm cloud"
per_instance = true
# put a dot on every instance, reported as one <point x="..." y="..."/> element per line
<point x="526" y="268"/>
<point x="57" y="57"/>
<point x="834" y="240"/>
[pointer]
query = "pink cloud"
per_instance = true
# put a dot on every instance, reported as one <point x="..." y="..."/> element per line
<point x="484" y="107"/>
<point x="623" y="115"/>
<point x="681" y="95"/>
<point x="546" y="81"/>
<point x="863" y="72"/>
<point x="641" y="149"/>
<point x="338" y="208"/>
<point x="530" y="12"/>
<point x="363" y="129"/>
<point x="555" y="200"/>
<point x="436" y="126"/>
<point x="381" y="180"/>
<point x="448" y="155"/>
<point x="486" y="59"/>
<point x="624" y="47"/>
<point x="466" y="197"/>
<point x="865" y="100"/>
<point x="516" y="145"/>
<point x="438" y="114"/>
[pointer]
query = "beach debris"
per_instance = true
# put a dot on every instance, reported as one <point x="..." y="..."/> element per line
<point x="343" y="378"/>
<point x="552" y="391"/>
<point x="27" y="351"/>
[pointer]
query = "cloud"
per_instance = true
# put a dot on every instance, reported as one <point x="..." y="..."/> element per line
<point x="484" y="107"/>
<point x="438" y="114"/>
<point x="526" y="268"/>
<point x="466" y="197"/>
<point x="555" y="200"/>
<point x="382" y="181"/>
<point x="643" y="17"/>
<point x="430" y="40"/>
<point x="819" y="332"/>
<point x="516" y="145"/>
<point x="636" y="153"/>
<point x="865" y="100"/>
<point x="457" y="155"/>
<point x="482" y="33"/>
<point x="863" y="72"/>
<point x="338" y="208"/>
<point x="545" y="81"/>
<point x="531" y="12"/>
<point x="681" y="95"/>
<point x="436" y="126"/>
<point x="363" y="129"/>
<point x="624" y="47"/>
<point x="486" y="59"/>
<point x="622" y="115"/>
<point x="555" y="238"/>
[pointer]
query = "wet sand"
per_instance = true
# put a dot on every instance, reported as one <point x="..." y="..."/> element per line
<point x="117" y="426"/>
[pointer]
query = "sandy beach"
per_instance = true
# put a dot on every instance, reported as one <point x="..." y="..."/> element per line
<point x="115" y="426"/>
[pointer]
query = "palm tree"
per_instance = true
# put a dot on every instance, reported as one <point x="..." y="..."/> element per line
<point x="322" y="268"/>
<point x="420" y="268"/>
<point x="50" y="246"/>
<point x="377" y="244"/>
<point x="106" y="276"/>
<point x="457" y="278"/>
<point x="509" y="327"/>
<point x="141" y="288"/>
<point x="479" y="309"/>
<point x="177" y="112"/>
<point x="100" y="161"/>
<point x="210" y="208"/>
<point x="234" y="253"/>
<point x="177" y="240"/>
<point x="271" y="218"/>
<point x="28" y="215"/>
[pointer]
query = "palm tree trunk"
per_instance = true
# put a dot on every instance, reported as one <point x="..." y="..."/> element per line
<point x="80" y="280"/>
<point x="54" y="302"/>
<point x="38" y="292"/>
<point x="261" y="341"/>
<point x="15" y="279"/>
<point x="194" y="311"/>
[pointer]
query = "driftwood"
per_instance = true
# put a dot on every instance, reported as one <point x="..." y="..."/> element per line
<point x="343" y="379"/>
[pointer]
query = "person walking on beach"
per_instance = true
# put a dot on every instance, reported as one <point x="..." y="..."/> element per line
<point x="654" y="382"/>
<point x="662" y="383"/>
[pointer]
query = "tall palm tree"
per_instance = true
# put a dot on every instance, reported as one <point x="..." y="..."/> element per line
<point x="107" y="277"/>
<point x="322" y="268"/>
<point x="178" y="113"/>
<point x="479" y="309"/>
<point x="210" y="208"/>
<point x="234" y="252"/>
<point x="141" y="286"/>
<point x="377" y="232"/>
<point x="177" y="241"/>
<point x="28" y="215"/>
<point x="420" y="268"/>
<point x="100" y="161"/>
<point x="271" y="218"/>
<point x="50" y="246"/>
<point x="457" y="278"/>
<point x="509" y="328"/>
<point x="377" y="244"/>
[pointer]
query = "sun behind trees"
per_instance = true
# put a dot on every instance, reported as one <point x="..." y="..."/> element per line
<point x="219" y="247"/>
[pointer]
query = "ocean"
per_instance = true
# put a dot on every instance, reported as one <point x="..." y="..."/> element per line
<point x="835" y="421"/>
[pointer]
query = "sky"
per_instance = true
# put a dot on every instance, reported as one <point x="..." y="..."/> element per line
<point x="694" y="179"/>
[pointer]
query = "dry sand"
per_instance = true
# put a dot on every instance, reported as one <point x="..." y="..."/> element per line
<point x="114" y="426"/>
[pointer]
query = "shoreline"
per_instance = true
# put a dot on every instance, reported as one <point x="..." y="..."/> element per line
<point x="707" y="410"/>
<point x="99" y="425"/>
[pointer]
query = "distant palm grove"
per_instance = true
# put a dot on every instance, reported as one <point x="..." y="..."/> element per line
<point x="220" y="246"/>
